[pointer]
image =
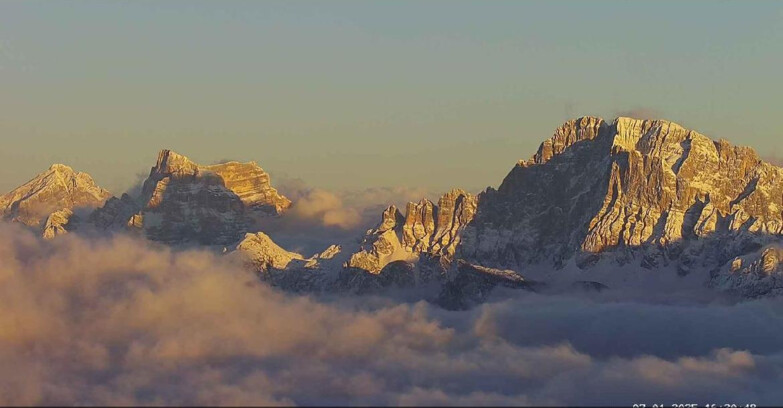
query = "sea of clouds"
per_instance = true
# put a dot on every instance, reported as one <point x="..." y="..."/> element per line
<point x="124" y="321"/>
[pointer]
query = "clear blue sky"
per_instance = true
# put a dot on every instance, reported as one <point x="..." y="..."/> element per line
<point x="359" y="93"/>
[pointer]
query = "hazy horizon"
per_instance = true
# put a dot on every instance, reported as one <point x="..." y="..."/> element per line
<point x="433" y="95"/>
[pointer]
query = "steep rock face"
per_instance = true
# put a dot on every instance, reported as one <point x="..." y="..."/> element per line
<point x="426" y="228"/>
<point x="117" y="213"/>
<point x="183" y="201"/>
<point x="59" y="223"/>
<point x="542" y="208"/>
<point x="58" y="188"/>
<point x="571" y="132"/>
<point x="668" y="183"/>
<point x="635" y="184"/>
<point x="455" y="211"/>
<point x="247" y="181"/>
<point x="381" y="245"/>
<point x="419" y="226"/>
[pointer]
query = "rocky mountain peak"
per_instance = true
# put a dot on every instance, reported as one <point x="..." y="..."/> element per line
<point x="170" y="162"/>
<point x="649" y="137"/>
<point x="264" y="254"/>
<point x="635" y="185"/>
<point x="569" y="133"/>
<point x="247" y="181"/>
<point x="184" y="201"/>
<point x="59" y="187"/>
<point x="390" y="219"/>
<point x="58" y="167"/>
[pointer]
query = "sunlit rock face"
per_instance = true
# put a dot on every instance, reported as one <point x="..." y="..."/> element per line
<point x="571" y="132"/>
<point x="184" y="202"/>
<point x="246" y="181"/>
<point x="648" y="185"/>
<point x="58" y="188"/>
<point x="426" y="228"/>
<point x="59" y="223"/>
<point x="381" y="245"/>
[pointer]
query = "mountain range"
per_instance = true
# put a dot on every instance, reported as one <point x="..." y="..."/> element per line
<point x="628" y="194"/>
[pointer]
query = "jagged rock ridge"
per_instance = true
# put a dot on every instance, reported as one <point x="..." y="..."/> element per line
<point x="426" y="228"/>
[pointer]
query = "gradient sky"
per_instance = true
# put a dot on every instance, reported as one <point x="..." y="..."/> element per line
<point x="355" y="94"/>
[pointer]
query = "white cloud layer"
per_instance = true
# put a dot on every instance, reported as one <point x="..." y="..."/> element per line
<point x="120" y="321"/>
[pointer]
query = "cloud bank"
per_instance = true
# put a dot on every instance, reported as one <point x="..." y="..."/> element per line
<point x="123" y="321"/>
<point x="325" y="208"/>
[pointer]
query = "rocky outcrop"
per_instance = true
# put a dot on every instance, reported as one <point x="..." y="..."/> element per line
<point x="59" y="223"/>
<point x="289" y="270"/>
<point x="753" y="275"/>
<point x="117" y="214"/>
<point x="264" y="254"/>
<point x="645" y="187"/>
<point x="455" y="211"/>
<point x="58" y="188"/>
<point x="381" y="245"/>
<point x="426" y="228"/>
<point x="330" y="252"/>
<point x="570" y="133"/>
<point x="183" y="201"/>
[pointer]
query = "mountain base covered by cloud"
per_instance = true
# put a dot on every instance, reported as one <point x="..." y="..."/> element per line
<point x="122" y="321"/>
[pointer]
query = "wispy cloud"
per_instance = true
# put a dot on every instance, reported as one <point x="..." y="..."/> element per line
<point x="325" y="208"/>
<point x="320" y="217"/>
